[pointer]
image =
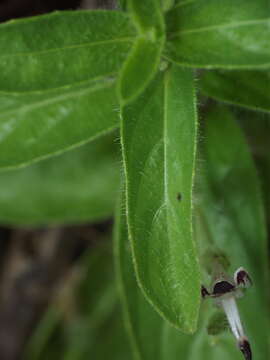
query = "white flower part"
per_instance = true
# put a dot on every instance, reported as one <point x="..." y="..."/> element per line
<point x="231" y="311"/>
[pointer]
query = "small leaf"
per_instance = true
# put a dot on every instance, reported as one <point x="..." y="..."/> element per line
<point x="75" y="187"/>
<point x="159" y="138"/>
<point x="140" y="68"/>
<point x="232" y="217"/>
<point x="250" y="89"/>
<point x="62" y="49"/>
<point x="143" y="61"/>
<point x="225" y="34"/>
<point x="147" y="15"/>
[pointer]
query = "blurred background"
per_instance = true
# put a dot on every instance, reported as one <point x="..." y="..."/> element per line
<point x="54" y="296"/>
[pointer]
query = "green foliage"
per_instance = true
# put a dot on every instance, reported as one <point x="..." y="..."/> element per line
<point x="225" y="34"/>
<point x="146" y="52"/>
<point x="70" y="77"/>
<point x="55" y="69"/>
<point x="73" y="187"/>
<point x="250" y="89"/>
<point x="35" y="126"/>
<point x="62" y="49"/>
<point x="231" y="216"/>
<point x="150" y="335"/>
<point x="147" y="16"/>
<point x="159" y="176"/>
<point x="145" y="56"/>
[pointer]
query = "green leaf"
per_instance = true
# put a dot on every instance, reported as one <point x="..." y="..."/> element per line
<point x="250" y="89"/>
<point x="62" y="49"/>
<point x="75" y="187"/>
<point x="232" y="219"/>
<point x="142" y="322"/>
<point x="57" y="81"/>
<point x="147" y="15"/>
<point x="151" y="336"/>
<point x="167" y="4"/>
<point x="225" y="34"/>
<point x="140" y="68"/>
<point x="35" y="126"/>
<point x="257" y="127"/>
<point x="159" y="141"/>
<point x="143" y="61"/>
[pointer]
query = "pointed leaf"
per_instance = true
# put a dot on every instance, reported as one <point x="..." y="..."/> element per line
<point x="220" y="34"/>
<point x="151" y="336"/>
<point x="159" y="137"/>
<point x="140" y="68"/>
<point x="250" y="89"/>
<point x="142" y="322"/>
<point x="147" y="15"/>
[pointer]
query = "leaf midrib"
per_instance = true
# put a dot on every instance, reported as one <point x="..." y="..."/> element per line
<point x="57" y="98"/>
<point x="83" y="45"/>
<point x="219" y="27"/>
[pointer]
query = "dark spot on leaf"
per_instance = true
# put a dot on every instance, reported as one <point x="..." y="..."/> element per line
<point x="179" y="196"/>
<point x="222" y="287"/>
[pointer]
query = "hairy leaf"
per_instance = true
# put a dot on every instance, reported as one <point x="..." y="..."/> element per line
<point x="250" y="89"/>
<point x="57" y="81"/>
<point x="62" y="49"/>
<point x="151" y="336"/>
<point x="143" y="61"/>
<point x="159" y="138"/>
<point x="225" y="34"/>
<point x="74" y="187"/>
<point x="140" y="68"/>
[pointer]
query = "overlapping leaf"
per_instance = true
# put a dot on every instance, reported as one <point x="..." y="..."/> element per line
<point x="147" y="16"/>
<point x="144" y="59"/>
<point x="250" y="89"/>
<point x="57" y="81"/>
<point x="159" y="141"/>
<point x="144" y="56"/>
<point x="78" y="186"/>
<point x="151" y="336"/>
<point x="220" y="34"/>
